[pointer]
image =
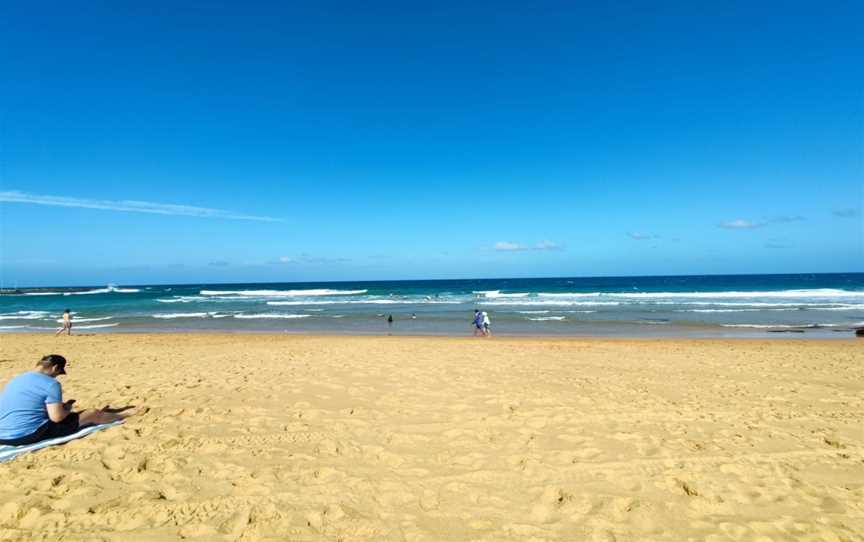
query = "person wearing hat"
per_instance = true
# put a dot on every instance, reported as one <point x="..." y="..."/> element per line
<point x="32" y="406"/>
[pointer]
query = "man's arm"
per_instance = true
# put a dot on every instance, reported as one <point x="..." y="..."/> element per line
<point x="57" y="412"/>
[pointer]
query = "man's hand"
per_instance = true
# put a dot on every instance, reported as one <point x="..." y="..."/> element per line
<point x="68" y="404"/>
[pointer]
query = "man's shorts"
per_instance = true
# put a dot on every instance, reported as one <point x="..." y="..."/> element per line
<point x="48" y="430"/>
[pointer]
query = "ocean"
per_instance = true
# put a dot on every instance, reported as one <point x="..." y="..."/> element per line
<point x="812" y="305"/>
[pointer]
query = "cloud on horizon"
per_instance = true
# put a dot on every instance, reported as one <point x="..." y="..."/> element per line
<point x="506" y="246"/>
<point x="305" y="259"/>
<point x="129" y="206"/>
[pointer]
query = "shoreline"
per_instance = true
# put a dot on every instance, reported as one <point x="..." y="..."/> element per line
<point x="807" y="335"/>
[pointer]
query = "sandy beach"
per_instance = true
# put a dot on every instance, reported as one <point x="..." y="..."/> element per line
<point x="265" y="437"/>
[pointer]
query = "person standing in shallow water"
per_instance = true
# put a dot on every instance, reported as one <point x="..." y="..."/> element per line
<point x="67" y="323"/>
<point x="390" y="321"/>
<point x="477" y="323"/>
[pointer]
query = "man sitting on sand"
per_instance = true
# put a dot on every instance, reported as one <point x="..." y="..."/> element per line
<point x="32" y="406"/>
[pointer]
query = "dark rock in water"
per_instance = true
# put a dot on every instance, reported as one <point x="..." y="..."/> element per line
<point x="785" y="331"/>
<point x="859" y="332"/>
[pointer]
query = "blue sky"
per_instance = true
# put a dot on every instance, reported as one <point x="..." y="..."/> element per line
<point x="152" y="142"/>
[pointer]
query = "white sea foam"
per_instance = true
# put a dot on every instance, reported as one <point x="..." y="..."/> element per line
<point x="532" y="312"/>
<point x="773" y="326"/>
<point x="565" y="295"/>
<point x="362" y="302"/>
<point x="491" y="294"/>
<point x="24" y="315"/>
<point x="42" y="293"/>
<point x="550" y="303"/>
<point x="108" y="290"/>
<point x="281" y="293"/>
<point x="93" y="326"/>
<point x="296" y="303"/>
<point x="814" y="293"/>
<point x="548" y="318"/>
<point x="183" y="299"/>
<point x="13" y="327"/>
<point x="181" y="315"/>
<point x="270" y="315"/>
<point x="77" y="320"/>
<point x="736" y="310"/>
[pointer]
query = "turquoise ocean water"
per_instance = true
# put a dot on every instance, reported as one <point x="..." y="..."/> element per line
<point x="818" y="305"/>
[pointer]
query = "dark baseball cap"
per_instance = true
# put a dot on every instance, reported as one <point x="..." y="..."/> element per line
<point x="54" y="360"/>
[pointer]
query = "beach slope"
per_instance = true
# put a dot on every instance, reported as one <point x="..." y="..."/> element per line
<point x="257" y="437"/>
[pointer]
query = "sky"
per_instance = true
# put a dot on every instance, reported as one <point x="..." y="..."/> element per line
<point x="166" y="142"/>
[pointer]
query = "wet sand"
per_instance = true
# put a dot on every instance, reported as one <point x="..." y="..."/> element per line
<point x="264" y="437"/>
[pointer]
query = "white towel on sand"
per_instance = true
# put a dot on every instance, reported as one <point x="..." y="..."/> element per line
<point x="8" y="453"/>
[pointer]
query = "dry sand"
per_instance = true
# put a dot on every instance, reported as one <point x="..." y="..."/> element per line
<point x="256" y="437"/>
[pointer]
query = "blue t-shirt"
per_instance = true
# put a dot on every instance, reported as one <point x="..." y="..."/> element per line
<point x="22" y="404"/>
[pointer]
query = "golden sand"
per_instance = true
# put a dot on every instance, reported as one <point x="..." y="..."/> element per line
<point x="258" y="437"/>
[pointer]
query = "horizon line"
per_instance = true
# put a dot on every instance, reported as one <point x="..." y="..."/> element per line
<point x="3" y="289"/>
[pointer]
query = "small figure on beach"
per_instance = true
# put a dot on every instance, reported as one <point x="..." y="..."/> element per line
<point x="67" y="324"/>
<point x="390" y="320"/>
<point x="32" y="406"/>
<point x="413" y="316"/>
<point x="477" y="323"/>
<point x="487" y="329"/>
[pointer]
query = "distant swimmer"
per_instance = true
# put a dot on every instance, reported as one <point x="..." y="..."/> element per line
<point x="67" y="324"/>
<point x="390" y="320"/>
<point x="413" y="316"/>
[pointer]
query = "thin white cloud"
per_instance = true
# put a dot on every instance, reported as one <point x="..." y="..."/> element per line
<point x="129" y="206"/>
<point x="507" y="246"/>
<point x="547" y="245"/>
<point x="741" y="224"/>
<point x="851" y="212"/>
<point x="307" y="259"/>
<point x="744" y="224"/>
<point x="786" y="219"/>
<point x="638" y="236"/>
